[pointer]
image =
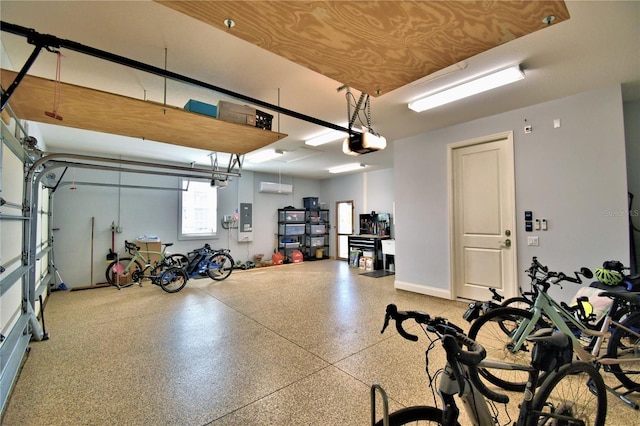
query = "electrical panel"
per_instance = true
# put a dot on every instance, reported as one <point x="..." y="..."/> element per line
<point x="245" y="228"/>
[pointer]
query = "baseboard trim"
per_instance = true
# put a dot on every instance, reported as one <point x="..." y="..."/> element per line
<point x="423" y="289"/>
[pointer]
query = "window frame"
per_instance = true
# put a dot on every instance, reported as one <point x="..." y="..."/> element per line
<point x="188" y="183"/>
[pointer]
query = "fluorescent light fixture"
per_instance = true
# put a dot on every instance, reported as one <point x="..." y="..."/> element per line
<point x="331" y="136"/>
<point x="346" y="168"/>
<point x="470" y="88"/>
<point x="262" y="156"/>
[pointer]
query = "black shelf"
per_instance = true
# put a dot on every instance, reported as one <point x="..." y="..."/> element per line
<point x="306" y="230"/>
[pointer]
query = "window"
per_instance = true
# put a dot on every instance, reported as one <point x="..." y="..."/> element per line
<point x="198" y="210"/>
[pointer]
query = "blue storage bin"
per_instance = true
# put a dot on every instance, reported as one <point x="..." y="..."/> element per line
<point x="201" y="108"/>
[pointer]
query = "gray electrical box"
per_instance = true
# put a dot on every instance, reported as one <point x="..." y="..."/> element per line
<point x="245" y="230"/>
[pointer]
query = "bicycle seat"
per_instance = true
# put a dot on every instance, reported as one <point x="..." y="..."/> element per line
<point x="167" y="244"/>
<point x="630" y="297"/>
<point x="550" y="337"/>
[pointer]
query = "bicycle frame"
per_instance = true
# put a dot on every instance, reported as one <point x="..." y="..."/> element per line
<point x="474" y="403"/>
<point x="137" y="255"/>
<point x="560" y="318"/>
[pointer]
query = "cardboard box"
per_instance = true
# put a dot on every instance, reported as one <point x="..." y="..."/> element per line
<point x="150" y="250"/>
<point x="201" y="108"/>
<point x="235" y="113"/>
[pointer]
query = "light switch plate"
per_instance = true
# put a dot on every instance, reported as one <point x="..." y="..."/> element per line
<point x="533" y="241"/>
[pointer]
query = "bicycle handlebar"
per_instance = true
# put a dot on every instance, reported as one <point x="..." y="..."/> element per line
<point x="130" y="246"/>
<point x="536" y="269"/>
<point x="453" y="340"/>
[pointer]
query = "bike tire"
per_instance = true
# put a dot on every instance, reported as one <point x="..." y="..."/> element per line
<point x="419" y="415"/>
<point x="577" y="391"/>
<point x="517" y="302"/>
<point x="221" y="266"/>
<point x="115" y="272"/>
<point x="492" y="330"/>
<point x="626" y="345"/>
<point x="173" y="279"/>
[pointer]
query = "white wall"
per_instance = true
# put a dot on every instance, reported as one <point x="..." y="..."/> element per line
<point x="155" y="212"/>
<point x="573" y="176"/>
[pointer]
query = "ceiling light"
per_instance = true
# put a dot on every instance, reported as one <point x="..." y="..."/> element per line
<point x="346" y="168"/>
<point x="331" y="136"/>
<point x="262" y="156"/>
<point x="470" y="88"/>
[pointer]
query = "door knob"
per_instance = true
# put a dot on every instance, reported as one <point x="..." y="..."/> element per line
<point x="507" y="233"/>
<point x="506" y="243"/>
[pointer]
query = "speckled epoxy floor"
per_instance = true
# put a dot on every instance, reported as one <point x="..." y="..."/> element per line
<point x="292" y="345"/>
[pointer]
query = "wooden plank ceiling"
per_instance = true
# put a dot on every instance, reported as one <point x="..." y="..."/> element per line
<point x="376" y="46"/>
<point x="90" y="109"/>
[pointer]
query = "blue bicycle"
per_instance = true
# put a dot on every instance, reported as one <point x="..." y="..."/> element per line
<point x="217" y="264"/>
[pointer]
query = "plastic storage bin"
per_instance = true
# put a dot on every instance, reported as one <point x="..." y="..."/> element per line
<point x="315" y="241"/>
<point x="201" y="108"/>
<point x="310" y="202"/>
<point x="291" y="229"/>
<point x="316" y="229"/>
<point x="291" y="216"/>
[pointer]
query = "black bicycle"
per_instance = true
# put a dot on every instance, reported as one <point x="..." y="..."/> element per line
<point x="571" y="393"/>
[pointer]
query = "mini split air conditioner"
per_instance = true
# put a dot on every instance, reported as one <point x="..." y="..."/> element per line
<point x="276" y="188"/>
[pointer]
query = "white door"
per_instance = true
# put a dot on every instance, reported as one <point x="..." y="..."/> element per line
<point x="344" y="228"/>
<point x="482" y="205"/>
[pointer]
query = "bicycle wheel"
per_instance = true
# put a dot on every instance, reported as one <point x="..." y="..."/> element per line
<point x="493" y="330"/>
<point x="624" y="344"/>
<point x="419" y="415"/>
<point x="116" y="275"/>
<point x="172" y="279"/>
<point x="574" y="394"/>
<point x="517" y="302"/>
<point x="179" y="260"/>
<point x="220" y="266"/>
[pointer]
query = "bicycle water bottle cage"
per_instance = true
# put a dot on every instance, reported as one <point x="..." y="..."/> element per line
<point x="551" y="349"/>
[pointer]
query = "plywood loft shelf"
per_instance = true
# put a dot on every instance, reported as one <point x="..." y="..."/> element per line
<point x="90" y="109"/>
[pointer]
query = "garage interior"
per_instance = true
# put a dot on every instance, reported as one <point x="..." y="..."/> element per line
<point x="298" y="343"/>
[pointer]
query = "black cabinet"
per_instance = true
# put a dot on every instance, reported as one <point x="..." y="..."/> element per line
<point x="368" y="246"/>
<point x="306" y="230"/>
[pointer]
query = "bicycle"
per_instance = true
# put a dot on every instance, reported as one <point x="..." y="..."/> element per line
<point x="572" y="393"/>
<point x="217" y="264"/>
<point x="478" y="308"/>
<point x="503" y="333"/>
<point x="611" y="277"/>
<point x="166" y="272"/>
